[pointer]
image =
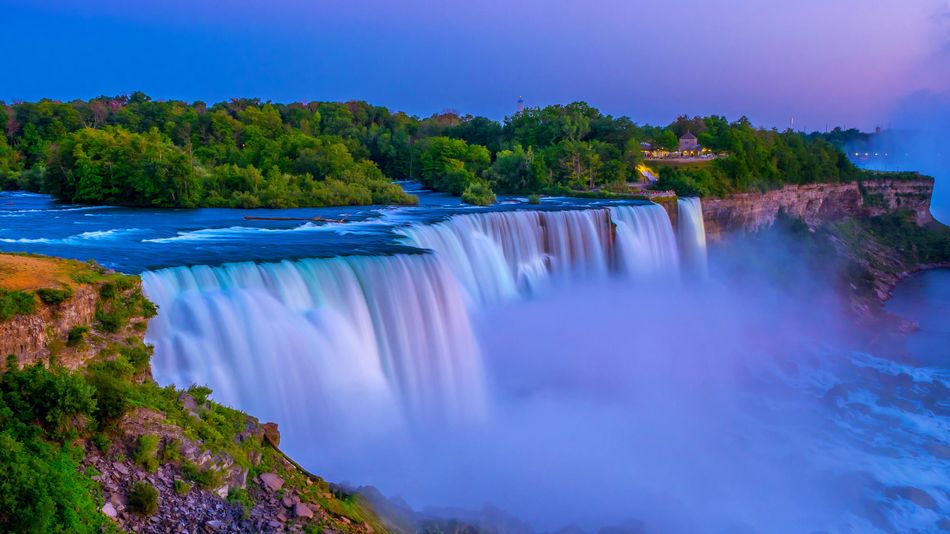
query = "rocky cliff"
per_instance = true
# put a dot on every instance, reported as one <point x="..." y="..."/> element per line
<point x="818" y="204"/>
<point x="68" y="311"/>
<point x="876" y="232"/>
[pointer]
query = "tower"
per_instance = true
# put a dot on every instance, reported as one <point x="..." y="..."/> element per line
<point x="520" y="104"/>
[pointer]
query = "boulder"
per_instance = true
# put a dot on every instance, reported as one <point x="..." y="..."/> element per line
<point x="271" y="434"/>
<point x="272" y="482"/>
<point x="302" y="510"/>
<point x="109" y="510"/>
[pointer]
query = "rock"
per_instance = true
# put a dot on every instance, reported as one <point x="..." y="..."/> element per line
<point x="189" y="404"/>
<point x="121" y="468"/>
<point x="272" y="482"/>
<point x="287" y="501"/>
<point x="302" y="510"/>
<point x="222" y="491"/>
<point x="273" y="524"/>
<point x="282" y="517"/>
<point x="214" y="525"/>
<point x="109" y="510"/>
<point x="271" y="434"/>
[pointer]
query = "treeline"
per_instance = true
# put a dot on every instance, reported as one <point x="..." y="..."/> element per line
<point x="246" y="153"/>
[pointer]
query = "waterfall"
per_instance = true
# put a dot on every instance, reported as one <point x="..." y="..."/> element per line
<point x="360" y="343"/>
<point x="646" y="245"/>
<point x="500" y="255"/>
<point x="692" y="233"/>
<point x="320" y="341"/>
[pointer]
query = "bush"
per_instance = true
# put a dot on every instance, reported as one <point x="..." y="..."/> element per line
<point x="478" y="193"/>
<point x="171" y="452"/>
<point x="76" y="335"/>
<point x="54" y="296"/>
<point x="15" y="303"/>
<point x="111" y="394"/>
<point x="143" y="498"/>
<point x="181" y="487"/>
<point x="55" y="398"/>
<point x="146" y="452"/>
<point x="204" y="478"/>
<point x="42" y="488"/>
<point x="534" y="199"/>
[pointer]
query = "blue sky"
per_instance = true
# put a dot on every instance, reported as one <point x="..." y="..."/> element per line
<point x="835" y="62"/>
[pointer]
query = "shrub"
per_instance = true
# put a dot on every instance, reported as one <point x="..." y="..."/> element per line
<point x="534" y="199"/>
<point x="42" y="488"/>
<point x="146" y="452"/>
<point x="199" y="393"/>
<point x="102" y="442"/>
<point x="171" y="452"/>
<point x="15" y="303"/>
<point x="76" y="335"/>
<point x="478" y="193"/>
<point x="204" y="478"/>
<point x="181" y="487"/>
<point x="143" y="498"/>
<point x="54" y="296"/>
<point x="59" y="400"/>
<point x="111" y="393"/>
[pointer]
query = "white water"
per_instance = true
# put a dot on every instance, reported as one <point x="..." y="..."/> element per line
<point x="645" y="241"/>
<point x="692" y="233"/>
<point x="502" y="255"/>
<point x="386" y="337"/>
<point x="320" y="342"/>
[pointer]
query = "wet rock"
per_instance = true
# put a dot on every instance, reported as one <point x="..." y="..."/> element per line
<point x="271" y="481"/>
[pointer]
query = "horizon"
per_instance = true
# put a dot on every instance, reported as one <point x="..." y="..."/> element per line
<point x="807" y="66"/>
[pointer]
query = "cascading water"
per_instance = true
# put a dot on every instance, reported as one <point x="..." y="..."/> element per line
<point x="646" y="245"/>
<point x="692" y="233"/>
<point x="499" y="255"/>
<point x="359" y="344"/>
<point x="377" y="337"/>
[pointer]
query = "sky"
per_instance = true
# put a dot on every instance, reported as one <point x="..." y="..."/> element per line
<point x="817" y="62"/>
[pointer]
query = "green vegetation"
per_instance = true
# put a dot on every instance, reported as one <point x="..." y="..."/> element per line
<point x="41" y="488"/>
<point x="76" y="335"/>
<point x="131" y="150"/>
<point x="203" y="478"/>
<point x="246" y="153"/>
<point x="478" y="193"/>
<point x="181" y="487"/>
<point x="54" y="296"/>
<point x="146" y="453"/>
<point x="143" y="498"/>
<point x="15" y="303"/>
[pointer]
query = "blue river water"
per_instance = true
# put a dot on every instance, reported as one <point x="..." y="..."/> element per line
<point x="133" y="240"/>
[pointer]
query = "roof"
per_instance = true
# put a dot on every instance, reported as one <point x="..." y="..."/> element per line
<point x="688" y="135"/>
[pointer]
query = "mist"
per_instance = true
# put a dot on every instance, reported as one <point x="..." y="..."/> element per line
<point x="917" y="140"/>
<point x="660" y="407"/>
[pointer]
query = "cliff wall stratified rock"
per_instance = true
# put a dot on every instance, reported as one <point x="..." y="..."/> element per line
<point x="816" y="204"/>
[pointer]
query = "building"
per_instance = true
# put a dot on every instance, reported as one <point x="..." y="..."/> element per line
<point x="689" y="143"/>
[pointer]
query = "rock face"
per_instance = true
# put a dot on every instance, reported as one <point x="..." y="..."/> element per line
<point x="30" y="336"/>
<point x="817" y="204"/>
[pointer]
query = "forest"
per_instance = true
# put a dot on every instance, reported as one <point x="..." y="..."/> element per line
<point x="135" y="151"/>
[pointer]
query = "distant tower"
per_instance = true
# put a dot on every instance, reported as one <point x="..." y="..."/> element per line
<point x="520" y="104"/>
